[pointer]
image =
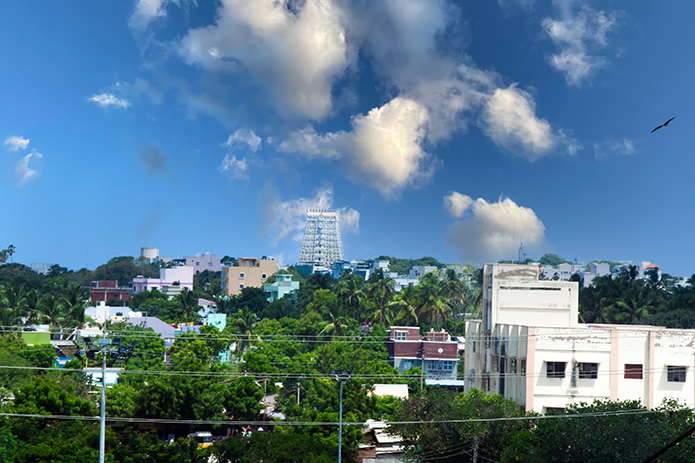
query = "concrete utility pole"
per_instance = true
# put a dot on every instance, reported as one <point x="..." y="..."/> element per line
<point x="342" y="378"/>
<point x="102" y="430"/>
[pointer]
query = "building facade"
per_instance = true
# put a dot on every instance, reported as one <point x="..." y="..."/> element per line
<point x="249" y="272"/>
<point x="177" y="276"/>
<point x="283" y="285"/>
<point x="321" y="245"/>
<point x="437" y="353"/>
<point x="200" y="263"/>
<point x="530" y="347"/>
<point x="109" y="290"/>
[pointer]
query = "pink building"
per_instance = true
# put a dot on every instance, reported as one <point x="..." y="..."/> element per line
<point x="205" y="262"/>
<point x="167" y="277"/>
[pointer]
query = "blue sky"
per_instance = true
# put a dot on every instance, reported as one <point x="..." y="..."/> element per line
<point x="451" y="129"/>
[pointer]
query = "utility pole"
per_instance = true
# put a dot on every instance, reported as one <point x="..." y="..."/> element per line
<point x="102" y="429"/>
<point x="342" y="378"/>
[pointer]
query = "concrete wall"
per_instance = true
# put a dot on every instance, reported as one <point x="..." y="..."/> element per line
<point x="249" y="273"/>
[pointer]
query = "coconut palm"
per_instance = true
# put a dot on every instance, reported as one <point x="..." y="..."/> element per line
<point x="32" y="307"/>
<point x="380" y="292"/>
<point x="73" y="300"/>
<point x="243" y="324"/>
<point x="405" y="305"/>
<point x="433" y="304"/>
<point x="52" y="312"/>
<point x="336" y="322"/>
<point x="351" y="294"/>
<point x="636" y="303"/>
<point x="187" y="302"/>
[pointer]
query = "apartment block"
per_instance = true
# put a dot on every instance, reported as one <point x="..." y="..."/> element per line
<point x="530" y="347"/>
<point x="249" y="272"/>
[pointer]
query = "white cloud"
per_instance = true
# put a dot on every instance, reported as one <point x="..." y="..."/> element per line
<point x="296" y="49"/>
<point x="234" y="168"/>
<point x="243" y="137"/>
<point x="133" y="91"/>
<point x="457" y="204"/>
<point x="147" y="11"/>
<point x="287" y="219"/>
<point x="496" y="231"/>
<point x="509" y="118"/>
<point x="22" y="169"/>
<point x="577" y="35"/>
<point x="15" y="143"/>
<point x="106" y="100"/>
<point x="620" y="146"/>
<point x="383" y="150"/>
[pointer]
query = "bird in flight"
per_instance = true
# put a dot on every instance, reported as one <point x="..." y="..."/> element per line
<point x="663" y="125"/>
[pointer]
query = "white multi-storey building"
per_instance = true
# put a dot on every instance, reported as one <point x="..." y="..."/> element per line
<point x="530" y="347"/>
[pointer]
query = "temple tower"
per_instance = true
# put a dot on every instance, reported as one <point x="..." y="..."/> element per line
<point x="321" y="244"/>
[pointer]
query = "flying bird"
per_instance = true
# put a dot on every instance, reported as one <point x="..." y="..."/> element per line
<point x="663" y="125"/>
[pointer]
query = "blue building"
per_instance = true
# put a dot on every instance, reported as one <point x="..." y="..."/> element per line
<point x="283" y="285"/>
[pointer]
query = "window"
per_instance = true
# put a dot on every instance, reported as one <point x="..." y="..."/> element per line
<point x="197" y="264"/>
<point x="448" y="365"/>
<point x="242" y="276"/>
<point x="588" y="370"/>
<point x="676" y="374"/>
<point x="401" y="335"/>
<point x="209" y="264"/>
<point x="512" y="365"/>
<point x="431" y="365"/>
<point x="241" y="286"/>
<point x="555" y="369"/>
<point x="554" y="411"/>
<point x="633" y="371"/>
<point x="523" y="367"/>
<point x="264" y="276"/>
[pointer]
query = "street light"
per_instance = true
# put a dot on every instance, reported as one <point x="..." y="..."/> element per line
<point x="102" y="431"/>
<point x="342" y="377"/>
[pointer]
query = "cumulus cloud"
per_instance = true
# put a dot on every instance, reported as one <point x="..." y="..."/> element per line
<point x="22" y="169"/>
<point x="15" y="143"/>
<point x="577" y="35"/>
<point x="457" y="204"/>
<point x="106" y="100"/>
<point x="495" y="230"/>
<point x="243" y="138"/>
<point x="620" y="146"/>
<point x="153" y="159"/>
<point x="383" y="150"/>
<point x="509" y="119"/>
<point x="296" y="49"/>
<point x="287" y="219"/>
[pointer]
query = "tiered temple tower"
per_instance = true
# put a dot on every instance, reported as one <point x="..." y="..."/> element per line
<point x="321" y="244"/>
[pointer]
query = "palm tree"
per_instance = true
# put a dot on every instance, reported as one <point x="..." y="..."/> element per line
<point x="73" y="301"/>
<point x="454" y="292"/>
<point x="635" y="304"/>
<point x="52" y="312"/>
<point x="244" y="324"/>
<point x="406" y="305"/>
<point x="433" y="305"/>
<point x="187" y="302"/>
<point x="351" y="294"/>
<point x="380" y="291"/>
<point x="10" y="251"/>
<point x="335" y="322"/>
<point x="32" y="307"/>
<point x="12" y="299"/>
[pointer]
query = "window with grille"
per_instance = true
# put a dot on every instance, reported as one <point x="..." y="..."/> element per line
<point x="633" y="371"/>
<point x="401" y="335"/>
<point x="676" y="374"/>
<point x="555" y="369"/>
<point x="588" y="370"/>
<point x="512" y="365"/>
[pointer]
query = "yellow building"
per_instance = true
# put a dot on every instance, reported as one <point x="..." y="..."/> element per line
<point x="249" y="272"/>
